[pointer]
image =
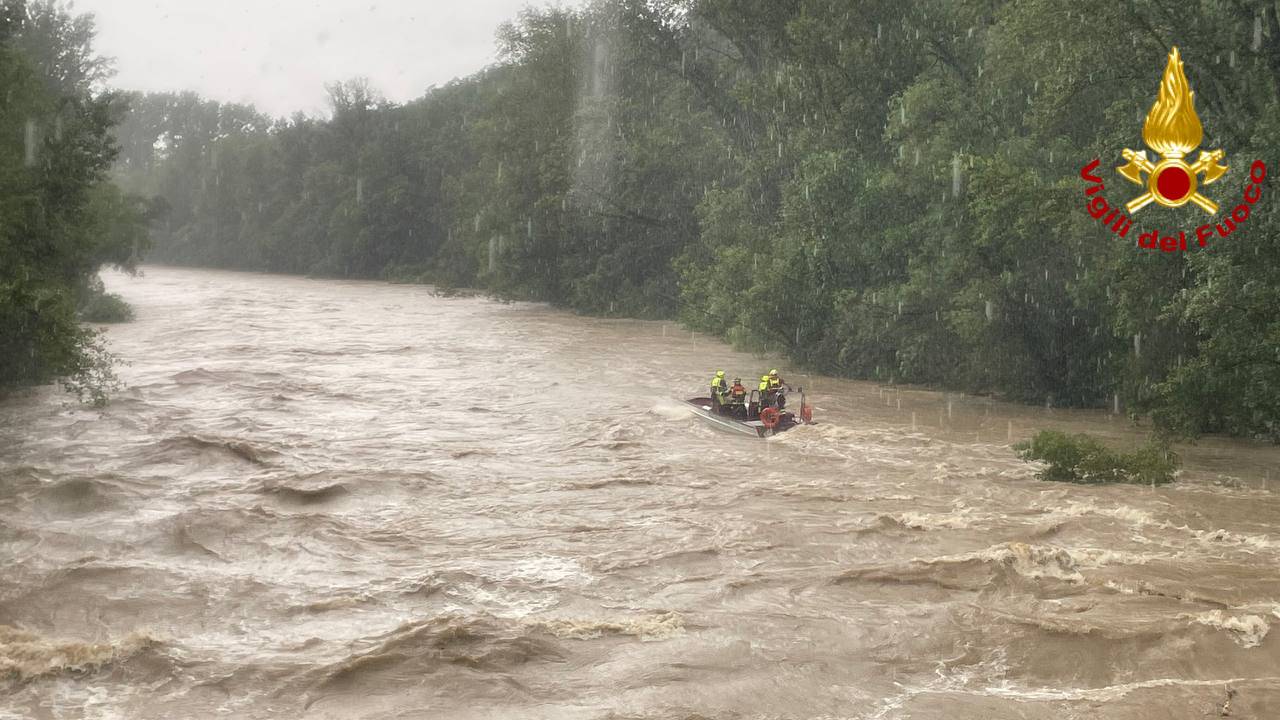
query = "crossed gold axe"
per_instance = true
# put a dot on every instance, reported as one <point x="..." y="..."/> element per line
<point x="1208" y="163"/>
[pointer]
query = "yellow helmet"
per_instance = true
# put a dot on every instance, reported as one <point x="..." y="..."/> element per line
<point x="773" y="371"/>
<point x="719" y="373"/>
<point x="764" y="377"/>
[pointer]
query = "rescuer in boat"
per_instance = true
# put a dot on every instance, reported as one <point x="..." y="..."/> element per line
<point x="737" y="405"/>
<point x="719" y="391"/>
<point x="771" y="394"/>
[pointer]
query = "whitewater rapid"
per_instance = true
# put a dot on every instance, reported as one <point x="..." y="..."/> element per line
<point x="325" y="499"/>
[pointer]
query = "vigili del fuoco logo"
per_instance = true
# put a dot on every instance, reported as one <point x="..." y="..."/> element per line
<point x="1172" y="131"/>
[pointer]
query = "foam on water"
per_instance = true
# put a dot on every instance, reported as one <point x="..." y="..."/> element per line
<point x="662" y="626"/>
<point x="1247" y="630"/>
<point x="27" y="655"/>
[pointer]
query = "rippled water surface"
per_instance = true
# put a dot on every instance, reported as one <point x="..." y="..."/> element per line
<point x="323" y="499"/>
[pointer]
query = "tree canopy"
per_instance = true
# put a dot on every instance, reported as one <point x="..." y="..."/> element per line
<point x="884" y="190"/>
<point x="60" y="216"/>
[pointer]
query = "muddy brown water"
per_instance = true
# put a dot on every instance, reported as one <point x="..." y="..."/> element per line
<point x="321" y="499"/>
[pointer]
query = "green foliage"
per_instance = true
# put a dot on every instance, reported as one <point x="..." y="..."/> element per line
<point x="1083" y="459"/>
<point x="60" y="220"/>
<point x="106" y="308"/>
<point x="885" y="189"/>
<point x="420" y="274"/>
<point x="90" y="375"/>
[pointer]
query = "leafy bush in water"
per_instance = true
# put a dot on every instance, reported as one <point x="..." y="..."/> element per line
<point x="407" y="273"/>
<point x="106" y="308"/>
<point x="92" y="376"/>
<point x="1082" y="459"/>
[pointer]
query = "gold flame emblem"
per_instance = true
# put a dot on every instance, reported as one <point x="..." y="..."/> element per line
<point x="1173" y="131"/>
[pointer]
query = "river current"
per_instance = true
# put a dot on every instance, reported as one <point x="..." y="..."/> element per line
<point x="324" y="499"/>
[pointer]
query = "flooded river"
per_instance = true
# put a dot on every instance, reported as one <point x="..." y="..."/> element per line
<point x="322" y="499"/>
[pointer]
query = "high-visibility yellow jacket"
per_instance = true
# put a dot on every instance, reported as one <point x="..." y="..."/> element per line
<point x="718" y="386"/>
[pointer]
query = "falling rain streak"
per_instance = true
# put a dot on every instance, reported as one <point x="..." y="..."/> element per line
<point x="29" y="143"/>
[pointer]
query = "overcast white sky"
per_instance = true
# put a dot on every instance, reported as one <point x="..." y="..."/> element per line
<point x="278" y="54"/>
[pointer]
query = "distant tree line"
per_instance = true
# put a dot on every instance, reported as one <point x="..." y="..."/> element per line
<point x="886" y="189"/>
<point x="61" y="218"/>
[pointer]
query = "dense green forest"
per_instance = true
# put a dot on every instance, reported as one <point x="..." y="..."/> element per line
<point x="885" y="190"/>
<point x="61" y="218"/>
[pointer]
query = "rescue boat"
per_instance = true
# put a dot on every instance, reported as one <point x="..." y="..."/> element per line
<point x="749" y="418"/>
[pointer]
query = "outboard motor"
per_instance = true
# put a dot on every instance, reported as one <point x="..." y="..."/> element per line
<point x="806" y="410"/>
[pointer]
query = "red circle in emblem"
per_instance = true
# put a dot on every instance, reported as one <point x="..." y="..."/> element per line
<point x="1173" y="183"/>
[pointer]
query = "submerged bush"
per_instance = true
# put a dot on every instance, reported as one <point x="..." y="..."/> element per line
<point x="408" y="274"/>
<point x="1083" y="459"/>
<point x="92" y="377"/>
<point x="106" y="308"/>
